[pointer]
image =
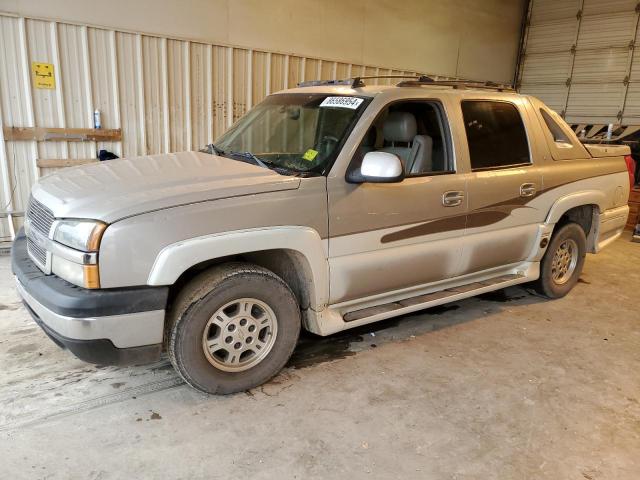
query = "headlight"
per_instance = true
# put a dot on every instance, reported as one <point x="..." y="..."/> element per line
<point x="82" y="235"/>
<point x="77" y="264"/>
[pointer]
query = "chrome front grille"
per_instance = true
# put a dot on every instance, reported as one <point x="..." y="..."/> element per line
<point x="40" y="217"/>
<point x="38" y="226"/>
<point x="37" y="253"/>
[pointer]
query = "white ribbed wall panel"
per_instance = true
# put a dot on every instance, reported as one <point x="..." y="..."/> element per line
<point x="131" y="93"/>
<point x="75" y="80"/>
<point x="154" y="61"/>
<point x="179" y="93"/>
<point x="103" y="61"/>
<point x="165" y="94"/>
<point x="239" y="82"/>
<point x="199" y="73"/>
<point x="18" y="167"/>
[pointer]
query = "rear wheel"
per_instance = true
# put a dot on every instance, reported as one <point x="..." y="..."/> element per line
<point x="232" y="328"/>
<point x="562" y="263"/>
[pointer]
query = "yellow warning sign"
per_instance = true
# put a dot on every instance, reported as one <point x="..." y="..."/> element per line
<point x="43" y="75"/>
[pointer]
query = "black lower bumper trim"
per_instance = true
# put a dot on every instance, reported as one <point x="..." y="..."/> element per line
<point x="101" y="351"/>
<point x="64" y="298"/>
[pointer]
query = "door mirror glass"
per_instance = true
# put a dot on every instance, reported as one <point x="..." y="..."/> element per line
<point x="378" y="167"/>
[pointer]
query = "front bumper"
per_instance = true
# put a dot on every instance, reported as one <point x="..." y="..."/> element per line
<point x="108" y="327"/>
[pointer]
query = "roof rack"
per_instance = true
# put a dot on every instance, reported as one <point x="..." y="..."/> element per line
<point x="424" y="80"/>
<point x="410" y="81"/>
<point x="355" y="82"/>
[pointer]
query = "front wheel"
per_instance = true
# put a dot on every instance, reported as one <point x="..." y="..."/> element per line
<point x="562" y="263"/>
<point x="232" y="328"/>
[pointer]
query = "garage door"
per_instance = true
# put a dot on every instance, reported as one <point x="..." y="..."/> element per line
<point x="580" y="58"/>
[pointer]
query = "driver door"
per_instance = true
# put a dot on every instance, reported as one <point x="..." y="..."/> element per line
<point x="388" y="238"/>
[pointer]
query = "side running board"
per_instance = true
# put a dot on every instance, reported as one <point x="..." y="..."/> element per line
<point x="436" y="298"/>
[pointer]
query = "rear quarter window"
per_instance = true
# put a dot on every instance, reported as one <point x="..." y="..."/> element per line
<point x="495" y="134"/>
<point x="559" y="136"/>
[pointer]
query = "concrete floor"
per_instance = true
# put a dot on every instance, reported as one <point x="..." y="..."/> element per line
<point x="507" y="386"/>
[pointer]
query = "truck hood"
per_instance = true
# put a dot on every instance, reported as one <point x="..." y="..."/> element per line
<point x="116" y="189"/>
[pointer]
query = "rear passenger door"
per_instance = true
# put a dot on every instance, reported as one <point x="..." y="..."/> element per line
<point x="502" y="218"/>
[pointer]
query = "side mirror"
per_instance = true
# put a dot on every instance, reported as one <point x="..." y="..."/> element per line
<point x="378" y="167"/>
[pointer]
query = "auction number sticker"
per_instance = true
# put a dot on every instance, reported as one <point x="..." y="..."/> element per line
<point x="342" y="102"/>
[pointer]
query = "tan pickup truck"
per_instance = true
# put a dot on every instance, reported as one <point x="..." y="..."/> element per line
<point x="325" y="207"/>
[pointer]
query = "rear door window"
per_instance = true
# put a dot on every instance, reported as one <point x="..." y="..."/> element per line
<point x="495" y="134"/>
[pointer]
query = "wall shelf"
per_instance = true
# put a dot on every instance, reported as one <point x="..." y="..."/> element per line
<point x="43" y="134"/>
<point x="63" y="162"/>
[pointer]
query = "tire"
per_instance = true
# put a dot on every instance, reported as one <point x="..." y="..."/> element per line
<point x="568" y="248"/>
<point x="241" y="296"/>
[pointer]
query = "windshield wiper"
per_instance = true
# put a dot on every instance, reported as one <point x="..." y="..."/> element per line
<point x="250" y="156"/>
<point x="213" y="149"/>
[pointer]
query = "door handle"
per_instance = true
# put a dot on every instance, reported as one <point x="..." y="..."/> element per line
<point x="527" y="190"/>
<point x="452" y="198"/>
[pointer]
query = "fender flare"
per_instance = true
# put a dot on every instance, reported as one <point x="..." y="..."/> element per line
<point x="173" y="260"/>
<point x="577" y="199"/>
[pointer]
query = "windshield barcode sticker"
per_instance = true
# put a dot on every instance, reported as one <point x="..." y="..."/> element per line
<point x="342" y="102"/>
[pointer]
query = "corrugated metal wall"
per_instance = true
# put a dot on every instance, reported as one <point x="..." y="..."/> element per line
<point x="165" y="94"/>
<point x="581" y="58"/>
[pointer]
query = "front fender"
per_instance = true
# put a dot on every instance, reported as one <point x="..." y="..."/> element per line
<point x="173" y="260"/>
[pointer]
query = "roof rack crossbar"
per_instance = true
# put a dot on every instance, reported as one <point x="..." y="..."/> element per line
<point x="358" y="81"/>
<point x="317" y="83"/>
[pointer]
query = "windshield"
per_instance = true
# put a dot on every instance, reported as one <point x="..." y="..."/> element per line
<point x="294" y="131"/>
